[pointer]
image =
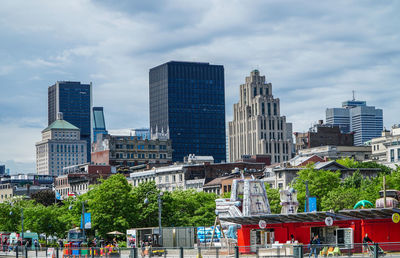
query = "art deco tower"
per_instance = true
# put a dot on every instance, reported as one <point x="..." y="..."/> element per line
<point x="257" y="126"/>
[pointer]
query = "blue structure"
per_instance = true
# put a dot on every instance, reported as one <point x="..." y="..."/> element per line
<point x="2" y="169"/>
<point x="355" y="116"/>
<point x="74" y="100"/>
<point x="99" y="125"/>
<point x="187" y="101"/>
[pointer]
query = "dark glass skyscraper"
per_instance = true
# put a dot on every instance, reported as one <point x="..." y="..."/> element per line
<point x="187" y="100"/>
<point x="74" y="100"/>
<point x="99" y="125"/>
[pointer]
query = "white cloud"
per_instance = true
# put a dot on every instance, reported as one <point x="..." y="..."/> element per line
<point x="314" y="53"/>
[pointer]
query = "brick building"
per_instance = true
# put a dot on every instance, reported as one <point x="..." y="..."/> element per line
<point x="323" y="135"/>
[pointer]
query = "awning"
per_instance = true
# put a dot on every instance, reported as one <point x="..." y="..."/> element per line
<point x="315" y="216"/>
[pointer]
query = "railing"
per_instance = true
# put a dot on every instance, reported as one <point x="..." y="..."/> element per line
<point x="373" y="250"/>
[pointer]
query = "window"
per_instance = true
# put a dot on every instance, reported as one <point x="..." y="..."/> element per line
<point x="180" y="177"/>
<point x="261" y="91"/>
<point x="255" y="91"/>
<point x="392" y="155"/>
<point x="280" y="185"/>
<point x="173" y="178"/>
<point x="398" y="154"/>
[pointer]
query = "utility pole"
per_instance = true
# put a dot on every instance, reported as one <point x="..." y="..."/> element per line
<point x="159" y="219"/>
<point x="307" y="197"/>
<point x="83" y="221"/>
<point x="384" y="191"/>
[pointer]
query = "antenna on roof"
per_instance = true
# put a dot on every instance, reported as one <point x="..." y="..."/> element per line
<point x="353" y="95"/>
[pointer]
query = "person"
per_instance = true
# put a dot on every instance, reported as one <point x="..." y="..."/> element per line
<point x="36" y="244"/>
<point x="60" y="243"/>
<point x="314" y="246"/>
<point x="142" y="248"/>
<point x="5" y="244"/>
<point x="366" y="240"/>
<point x="292" y="240"/>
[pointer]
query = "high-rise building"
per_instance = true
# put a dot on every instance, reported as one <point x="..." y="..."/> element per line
<point x="257" y="126"/>
<point x="355" y="116"/>
<point x="60" y="147"/>
<point x="74" y="100"/>
<point x="187" y="101"/>
<point x="99" y="125"/>
<point x="2" y="169"/>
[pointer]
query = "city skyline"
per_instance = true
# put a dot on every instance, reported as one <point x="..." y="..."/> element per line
<point x="308" y="51"/>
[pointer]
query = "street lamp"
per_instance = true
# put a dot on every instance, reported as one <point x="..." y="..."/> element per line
<point x="146" y="201"/>
<point x="22" y="220"/>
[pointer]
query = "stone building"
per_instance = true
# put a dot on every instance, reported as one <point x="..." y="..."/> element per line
<point x="127" y="151"/>
<point x="60" y="147"/>
<point x="257" y="126"/>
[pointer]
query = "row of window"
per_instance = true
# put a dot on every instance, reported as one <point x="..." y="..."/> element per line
<point x="140" y="147"/>
<point x="140" y="156"/>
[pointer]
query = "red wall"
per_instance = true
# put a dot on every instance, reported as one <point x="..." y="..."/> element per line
<point x="382" y="230"/>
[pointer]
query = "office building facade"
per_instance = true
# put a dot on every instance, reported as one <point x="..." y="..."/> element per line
<point x="187" y="102"/>
<point x="60" y="147"/>
<point x="99" y="124"/>
<point x="74" y="100"/>
<point x="366" y="122"/>
<point x="257" y="126"/>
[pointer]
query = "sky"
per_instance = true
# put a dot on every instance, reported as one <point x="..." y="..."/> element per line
<point x="313" y="52"/>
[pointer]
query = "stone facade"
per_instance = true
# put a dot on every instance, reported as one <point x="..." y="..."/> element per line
<point x="125" y="150"/>
<point x="60" y="147"/>
<point x="257" y="126"/>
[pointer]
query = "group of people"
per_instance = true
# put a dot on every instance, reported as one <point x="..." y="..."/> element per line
<point x="8" y="246"/>
<point x="315" y="244"/>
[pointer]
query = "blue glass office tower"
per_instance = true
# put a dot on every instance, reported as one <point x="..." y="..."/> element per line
<point x="355" y="116"/>
<point x="187" y="101"/>
<point x="74" y="100"/>
<point x="99" y="125"/>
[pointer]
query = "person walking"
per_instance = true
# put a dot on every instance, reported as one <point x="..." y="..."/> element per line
<point x="314" y="246"/>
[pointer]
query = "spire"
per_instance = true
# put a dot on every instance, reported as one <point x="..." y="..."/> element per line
<point x="354" y="95"/>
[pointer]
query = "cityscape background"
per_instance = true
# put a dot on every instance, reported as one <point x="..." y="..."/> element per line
<point x="313" y="54"/>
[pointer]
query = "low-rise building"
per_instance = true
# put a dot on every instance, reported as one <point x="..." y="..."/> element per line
<point x="359" y="153"/>
<point x="281" y="177"/>
<point x="77" y="179"/>
<point x="128" y="151"/>
<point x="322" y="135"/>
<point x="189" y="176"/>
<point x="384" y="148"/>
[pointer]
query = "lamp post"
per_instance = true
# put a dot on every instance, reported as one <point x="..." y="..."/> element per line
<point x="146" y="201"/>
<point x="22" y="220"/>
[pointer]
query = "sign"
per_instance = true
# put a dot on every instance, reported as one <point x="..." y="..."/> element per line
<point x="313" y="204"/>
<point x="328" y="221"/>
<point x="87" y="220"/>
<point x="396" y="217"/>
<point x="262" y="224"/>
<point x="50" y="252"/>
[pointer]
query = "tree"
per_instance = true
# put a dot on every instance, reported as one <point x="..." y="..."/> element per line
<point x="45" y="197"/>
<point x="320" y="182"/>
<point x="111" y="205"/>
<point x="274" y="199"/>
<point x="340" y="198"/>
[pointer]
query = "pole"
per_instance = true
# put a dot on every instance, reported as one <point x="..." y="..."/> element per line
<point x="384" y="191"/>
<point x="22" y="224"/>
<point x="159" y="220"/>
<point x="83" y="221"/>
<point x="307" y="198"/>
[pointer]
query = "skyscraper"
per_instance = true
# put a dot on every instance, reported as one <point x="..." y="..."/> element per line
<point x="99" y="125"/>
<point x="355" y="116"/>
<point x="74" y="100"/>
<point x="187" y="101"/>
<point x="257" y="126"/>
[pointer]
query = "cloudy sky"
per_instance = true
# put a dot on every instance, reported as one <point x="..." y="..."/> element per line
<point x="313" y="52"/>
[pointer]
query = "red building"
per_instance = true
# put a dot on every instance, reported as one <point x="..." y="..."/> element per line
<point x="348" y="229"/>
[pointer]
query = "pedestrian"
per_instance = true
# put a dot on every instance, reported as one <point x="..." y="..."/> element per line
<point x="5" y="244"/>
<point x="142" y="248"/>
<point x="292" y="240"/>
<point x="314" y="246"/>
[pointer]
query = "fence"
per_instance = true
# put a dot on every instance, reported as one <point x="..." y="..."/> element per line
<point x="374" y="250"/>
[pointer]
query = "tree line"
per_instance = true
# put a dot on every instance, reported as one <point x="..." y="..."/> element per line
<point x="115" y="205"/>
